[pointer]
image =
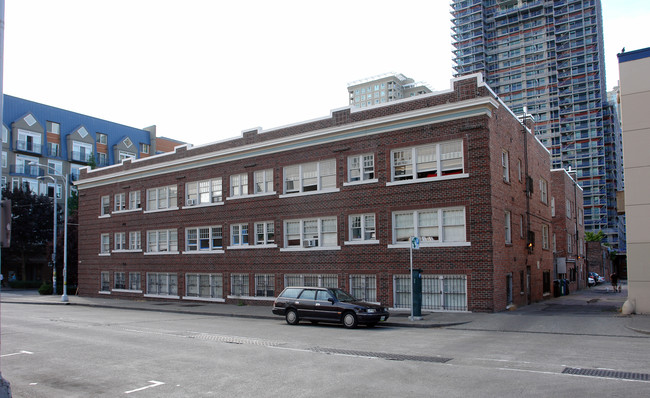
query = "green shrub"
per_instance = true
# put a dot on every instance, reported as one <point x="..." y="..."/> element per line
<point x="45" y="289"/>
<point x="25" y="284"/>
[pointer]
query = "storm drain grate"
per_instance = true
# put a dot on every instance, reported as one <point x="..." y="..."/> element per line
<point x="614" y="374"/>
<point x="382" y="355"/>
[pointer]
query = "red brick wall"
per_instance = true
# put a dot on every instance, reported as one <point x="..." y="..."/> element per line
<point x="483" y="194"/>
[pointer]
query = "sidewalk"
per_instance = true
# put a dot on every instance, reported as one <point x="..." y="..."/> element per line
<point x="593" y="311"/>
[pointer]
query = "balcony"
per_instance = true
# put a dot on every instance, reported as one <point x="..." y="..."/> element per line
<point x="28" y="146"/>
<point x="26" y="170"/>
<point x="77" y="156"/>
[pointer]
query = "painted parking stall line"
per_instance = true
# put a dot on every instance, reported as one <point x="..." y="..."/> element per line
<point x="154" y="383"/>
<point x="17" y="353"/>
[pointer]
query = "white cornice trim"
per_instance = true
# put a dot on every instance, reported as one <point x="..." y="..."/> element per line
<point x="419" y="117"/>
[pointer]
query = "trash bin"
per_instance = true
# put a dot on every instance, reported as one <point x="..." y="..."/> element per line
<point x="566" y="289"/>
<point x="557" y="290"/>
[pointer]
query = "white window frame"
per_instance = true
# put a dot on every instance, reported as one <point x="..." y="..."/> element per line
<point x="123" y="155"/>
<point x="263" y="182"/>
<point x="119" y="277"/>
<point x="543" y="190"/>
<point x="265" y="286"/>
<point x="155" y="196"/>
<point x="300" y="173"/>
<point x="545" y="242"/>
<point x="119" y="203"/>
<point x="166" y="285"/>
<point x="135" y="241"/>
<point x="361" y="169"/>
<point x="505" y="165"/>
<point x="312" y="280"/>
<point x="508" y="227"/>
<point x="135" y="282"/>
<point x="76" y="149"/>
<point x="105" y="282"/>
<point x="102" y="138"/>
<point x="195" y="242"/>
<point x="54" y="167"/>
<point x="444" y="228"/>
<point x="239" y="235"/>
<point x="239" y="285"/>
<point x="204" y="192"/>
<point x="105" y="206"/>
<point x="414" y="169"/>
<point x="365" y="224"/>
<point x="195" y="285"/>
<point x="316" y="240"/>
<point x="144" y="148"/>
<point x="364" y="287"/>
<point x="105" y="244"/>
<point x="239" y="185"/>
<point x="162" y="241"/>
<point x="119" y="243"/>
<point x="265" y="234"/>
<point x="552" y="206"/>
<point x="134" y="200"/>
<point x="4" y="159"/>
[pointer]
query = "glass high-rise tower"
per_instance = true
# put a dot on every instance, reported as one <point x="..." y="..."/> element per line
<point x="547" y="58"/>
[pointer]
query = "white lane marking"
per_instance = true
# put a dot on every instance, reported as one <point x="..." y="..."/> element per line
<point x="154" y="384"/>
<point x="16" y="353"/>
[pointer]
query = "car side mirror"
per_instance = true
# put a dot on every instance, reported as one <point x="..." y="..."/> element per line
<point x="331" y="300"/>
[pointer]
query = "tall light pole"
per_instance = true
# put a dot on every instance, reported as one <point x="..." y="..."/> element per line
<point x="54" y="239"/>
<point x="64" y="297"/>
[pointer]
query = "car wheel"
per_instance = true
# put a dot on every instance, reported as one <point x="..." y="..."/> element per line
<point x="350" y="320"/>
<point x="292" y="317"/>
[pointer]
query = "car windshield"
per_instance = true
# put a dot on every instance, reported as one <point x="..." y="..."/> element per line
<point x="342" y="295"/>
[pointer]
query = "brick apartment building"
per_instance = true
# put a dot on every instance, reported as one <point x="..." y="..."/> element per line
<point x="333" y="201"/>
<point x="568" y="229"/>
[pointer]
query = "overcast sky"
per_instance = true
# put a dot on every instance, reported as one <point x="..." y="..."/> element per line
<point x="204" y="70"/>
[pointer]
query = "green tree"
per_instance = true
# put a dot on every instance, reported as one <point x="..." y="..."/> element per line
<point x="92" y="162"/>
<point x="594" y="236"/>
<point x="31" y="230"/>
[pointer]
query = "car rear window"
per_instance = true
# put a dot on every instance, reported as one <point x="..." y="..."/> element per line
<point x="291" y="293"/>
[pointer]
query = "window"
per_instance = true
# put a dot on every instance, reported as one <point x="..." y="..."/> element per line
<point x="120" y="202"/>
<point x="364" y="287"/>
<point x="105" y="205"/>
<point x="545" y="241"/>
<point x="105" y="281"/>
<point x="361" y="167"/>
<point x="543" y="190"/>
<point x="553" y="206"/>
<point x="427" y="161"/>
<point x="120" y="241"/>
<point x="162" y="284"/>
<point x="311" y="233"/>
<point x="569" y="243"/>
<point x="425" y="225"/>
<point x="105" y="244"/>
<point x="206" y="286"/>
<point x="263" y="181"/>
<point x="568" y="208"/>
<point x="102" y="138"/>
<point x="239" y="185"/>
<point x="203" y="192"/>
<point x="53" y="149"/>
<point x="5" y="134"/>
<point x="134" y="281"/>
<point x="519" y="172"/>
<point x="521" y="226"/>
<point x="439" y="292"/>
<point x="144" y="148"/>
<point x="239" y="234"/>
<point x="102" y="159"/>
<point x="165" y="240"/>
<point x="204" y="238"/>
<point x="239" y="284"/>
<point x="135" y="240"/>
<point x="134" y="200"/>
<point x="505" y="166"/>
<point x="81" y="151"/>
<point x="581" y="216"/>
<point x="316" y="176"/>
<point x="362" y="227"/>
<point x="311" y="280"/>
<point x="161" y="198"/>
<point x="119" y="280"/>
<point x="125" y="155"/>
<point x="264" y="285"/>
<point x="54" y="167"/>
<point x="554" y="243"/>
<point x="508" y="228"/>
<point x="265" y="233"/>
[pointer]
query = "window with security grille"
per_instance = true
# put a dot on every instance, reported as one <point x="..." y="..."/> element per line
<point x="208" y="286"/>
<point x="162" y="284"/>
<point x="134" y="281"/>
<point x="239" y="284"/>
<point x="315" y="280"/>
<point x="120" y="280"/>
<point x="105" y="281"/>
<point x="439" y="292"/>
<point x="264" y="285"/>
<point x="364" y="287"/>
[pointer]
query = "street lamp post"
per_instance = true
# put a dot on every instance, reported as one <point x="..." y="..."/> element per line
<point x="54" y="239"/>
<point x="64" y="297"/>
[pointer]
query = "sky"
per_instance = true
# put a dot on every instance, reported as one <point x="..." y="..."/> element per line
<point x="206" y="70"/>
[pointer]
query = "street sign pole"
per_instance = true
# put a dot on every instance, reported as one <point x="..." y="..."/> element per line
<point x="414" y="243"/>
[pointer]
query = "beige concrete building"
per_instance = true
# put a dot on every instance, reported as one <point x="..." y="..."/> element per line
<point x="377" y="90"/>
<point x="635" y="110"/>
